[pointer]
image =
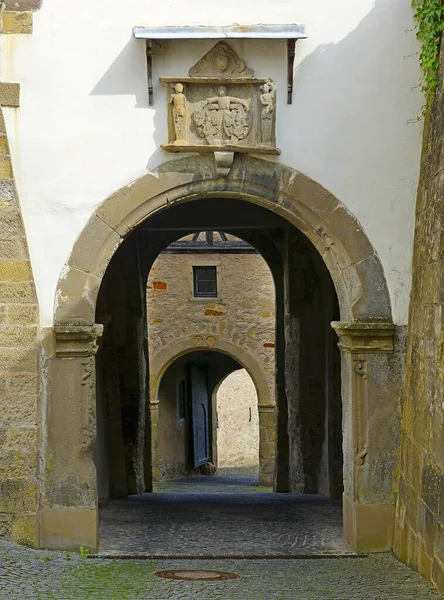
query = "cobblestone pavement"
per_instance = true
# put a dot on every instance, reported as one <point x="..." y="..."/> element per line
<point x="231" y="480"/>
<point x="214" y="516"/>
<point x="41" y="575"/>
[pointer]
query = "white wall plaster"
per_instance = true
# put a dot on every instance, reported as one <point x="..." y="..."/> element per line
<point x="84" y="128"/>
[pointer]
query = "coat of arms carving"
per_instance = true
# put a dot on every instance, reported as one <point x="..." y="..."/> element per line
<point x="221" y="107"/>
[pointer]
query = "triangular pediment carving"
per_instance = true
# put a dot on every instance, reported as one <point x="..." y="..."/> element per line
<point x="221" y="61"/>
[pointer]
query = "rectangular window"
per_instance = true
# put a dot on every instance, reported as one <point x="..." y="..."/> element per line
<point x="181" y="401"/>
<point x="205" y="282"/>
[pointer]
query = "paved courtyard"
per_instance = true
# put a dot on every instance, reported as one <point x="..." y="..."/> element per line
<point x="223" y="516"/>
<point x="215" y="517"/>
<point x="39" y="575"/>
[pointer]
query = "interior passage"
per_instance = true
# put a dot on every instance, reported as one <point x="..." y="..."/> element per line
<point x="218" y="516"/>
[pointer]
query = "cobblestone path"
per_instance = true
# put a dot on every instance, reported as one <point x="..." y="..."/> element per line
<point x="222" y="525"/>
<point x="40" y="575"/>
<point x="216" y="516"/>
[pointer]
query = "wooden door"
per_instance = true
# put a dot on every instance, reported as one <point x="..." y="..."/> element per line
<point x="200" y="417"/>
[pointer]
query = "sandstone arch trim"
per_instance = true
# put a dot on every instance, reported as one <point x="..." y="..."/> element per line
<point x="353" y="264"/>
<point x="162" y="361"/>
<point x="265" y="396"/>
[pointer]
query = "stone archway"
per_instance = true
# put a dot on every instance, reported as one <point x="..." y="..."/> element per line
<point x="370" y="371"/>
<point x="265" y="395"/>
<point x="351" y="260"/>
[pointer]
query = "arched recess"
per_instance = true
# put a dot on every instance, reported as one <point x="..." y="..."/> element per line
<point x="238" y="446"/>
<point x="370" y="371"/>
<point x="265" y="395"/>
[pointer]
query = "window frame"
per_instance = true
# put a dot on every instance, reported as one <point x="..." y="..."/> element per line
<point x="205" y="263"/>
<point x="196" y="281"/>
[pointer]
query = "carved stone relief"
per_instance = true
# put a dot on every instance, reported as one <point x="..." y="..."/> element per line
<point x="221" y="61"/>
<point x="221" y="107"/>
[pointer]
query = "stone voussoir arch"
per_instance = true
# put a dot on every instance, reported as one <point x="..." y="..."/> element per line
<point x="160" y="363"/>
<point x="370" y="368"/>
<point x="353" y="264"/>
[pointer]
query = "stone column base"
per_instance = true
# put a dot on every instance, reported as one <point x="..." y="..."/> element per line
<point x="368" y="527"/>
<point x="68" y="529"/>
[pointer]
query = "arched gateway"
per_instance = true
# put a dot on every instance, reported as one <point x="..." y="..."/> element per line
<point x="370" y="367"/>
<point x="265" y="396"/>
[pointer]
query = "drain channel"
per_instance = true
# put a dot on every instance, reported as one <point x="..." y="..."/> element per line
<point x="197" y="575"/>
<point x="224" y="556"/>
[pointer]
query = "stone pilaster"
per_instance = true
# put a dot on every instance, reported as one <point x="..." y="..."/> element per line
<point x="68" y="517"/>
<point x="267" y="444"/>
<point x="154" y="419"/>
<point x="370" y="396"/>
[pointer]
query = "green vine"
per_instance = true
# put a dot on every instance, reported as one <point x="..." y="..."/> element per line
<point x="430" y="17"/>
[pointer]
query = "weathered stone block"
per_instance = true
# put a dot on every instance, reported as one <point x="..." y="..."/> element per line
<point x="9" y="96"/>
<point x="305" y="190"/>
<point x="425" y="562"/>
<point x="18" y="410"/>
<point x="5" y="167"/>
<point x="25" y="530"/>
<point x="13" y="249"/>
<point x="17" y="465"/>
<point x="15" y="271"/>
<point x="135" y="197"/>
<point x="18" y="495"/>
<point x="17" y="336"/>
<point x="8" y="191"/>
<point x="76" y="297"/>
<point x="68" y="529"/>
<point x="19" y="360"/>
<point x="22" y="438"/>
<point x="19" y="5"/>
<point x="4" y="148"/>
<point x="5" y="524"/>
<point x="93" y="255"/>
<point x="11" y="226"/>
<point x="21" y="385"/>
<point x="432" y="487"/>
<point x="17" y="22"/>
<point x="23" y="314"/>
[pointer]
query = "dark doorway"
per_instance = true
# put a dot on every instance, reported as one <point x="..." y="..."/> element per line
<point x="308" y="456"/>
<point x="200" y="415"/>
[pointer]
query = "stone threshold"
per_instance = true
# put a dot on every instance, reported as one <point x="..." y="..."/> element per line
<point x="320" y="556"/>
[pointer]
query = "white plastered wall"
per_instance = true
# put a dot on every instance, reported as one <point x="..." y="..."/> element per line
<point x="85" y="129"/>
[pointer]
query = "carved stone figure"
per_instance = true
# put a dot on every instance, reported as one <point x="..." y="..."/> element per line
<point x="222" y="118"/>
<point x="267" y="116"/>
<point x="180" y="113"/>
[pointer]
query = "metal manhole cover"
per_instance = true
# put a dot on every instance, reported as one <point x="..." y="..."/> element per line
<point x="195" y="575"/>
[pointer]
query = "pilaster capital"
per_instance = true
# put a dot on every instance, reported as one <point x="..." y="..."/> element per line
<point x="76" y="340"/>
<point x="365" y="338"/>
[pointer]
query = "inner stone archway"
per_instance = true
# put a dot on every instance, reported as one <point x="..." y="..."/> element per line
<point x="233" y="357"/>
<point x="370" y="374"/>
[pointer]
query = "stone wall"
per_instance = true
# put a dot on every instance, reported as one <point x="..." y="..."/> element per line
<point x="18" y="367"/>
<point x="419" y="533"/>
<point x="237" y="422"/>
<point x="241" y="318"/>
